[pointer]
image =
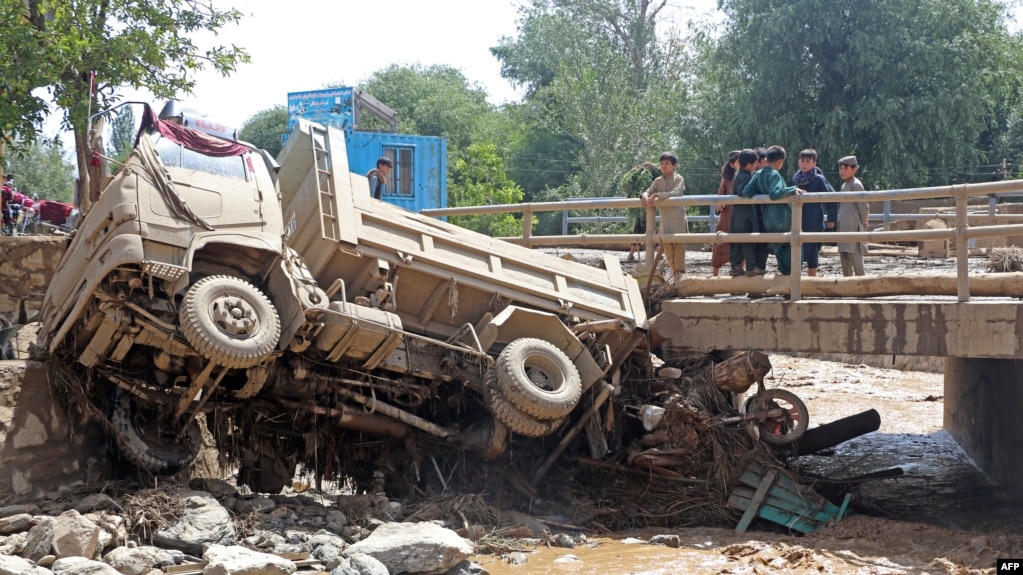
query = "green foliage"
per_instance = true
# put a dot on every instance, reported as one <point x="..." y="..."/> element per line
<point x="137" y="44"/>
<point x="122" y="133"/>
<point x="479" y="179"/>
<point x="597" y="75"/>
<point x="40" y="168"/>
<point x="433" y="101"/>
<point x="29" y="61"/>
<point x="906" y="85"/>
<point x="265" y="128"/>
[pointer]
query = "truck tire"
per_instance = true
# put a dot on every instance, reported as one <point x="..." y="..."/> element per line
<point x="538" y="378"/>
<point x="147" y="444"/>
<point x="514" y="419"/>
<point x="229" y="321"/>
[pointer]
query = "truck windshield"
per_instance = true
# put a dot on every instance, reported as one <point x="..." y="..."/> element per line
<point x="174" y="155"/>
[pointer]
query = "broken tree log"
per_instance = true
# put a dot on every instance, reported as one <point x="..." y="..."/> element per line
<point x="737" y="374"/>
<point x="986" y="285"/>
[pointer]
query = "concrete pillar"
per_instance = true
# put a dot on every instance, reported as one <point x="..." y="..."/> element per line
<point x="982" y="412"/>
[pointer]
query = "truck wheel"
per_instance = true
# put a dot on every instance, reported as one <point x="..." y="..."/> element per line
<point x="538" y="378"/>
<point x="785" y="429"/>
<point x="149" y="444"/>
<point x="229" y="321"/>
<point x="514" y="419"/>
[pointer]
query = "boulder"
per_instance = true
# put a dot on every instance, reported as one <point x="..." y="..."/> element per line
<point x="15" y="523"/>
<point x="40" y="539"/>
<point x="203" y="521"/>
<point x="138" y="561"/>
<point x="414" y="547"/>
<point x="14" y="565"/>
<point x="237" y="560"/>
<point x="81" y="566"/>
<point x="75" y="536"/>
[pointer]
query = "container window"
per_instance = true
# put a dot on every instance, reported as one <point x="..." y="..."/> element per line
<point x="404" y="170"/>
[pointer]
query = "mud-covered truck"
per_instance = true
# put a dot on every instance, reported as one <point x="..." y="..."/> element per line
<point x="297" y="314"/>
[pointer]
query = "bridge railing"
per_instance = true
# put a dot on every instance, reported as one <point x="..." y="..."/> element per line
<point x="960" y="234"/>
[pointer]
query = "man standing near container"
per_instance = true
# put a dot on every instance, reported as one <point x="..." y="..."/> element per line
<point x="378" y="178"/>
<point x="852" y="217"/>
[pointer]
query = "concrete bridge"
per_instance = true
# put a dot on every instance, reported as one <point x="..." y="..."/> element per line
<point x="982" y="342"/>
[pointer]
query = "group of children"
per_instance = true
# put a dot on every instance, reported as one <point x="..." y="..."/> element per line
<point x="749" y="173"/>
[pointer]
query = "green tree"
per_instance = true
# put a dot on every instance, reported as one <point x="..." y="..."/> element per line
<point x="907" y="85"/>
<point x="265" y="128"/>
<point x="40" y="169"/>
<point x="434" y="101"/>
<point x="122" y="133"/>
<point x="596" y="73"/>
<point x="479" y="179"/>
<point x="137" y="44"/>
<point x="29" y="61"/>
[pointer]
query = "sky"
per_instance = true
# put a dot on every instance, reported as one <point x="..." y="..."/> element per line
<point x="302" y="45"/>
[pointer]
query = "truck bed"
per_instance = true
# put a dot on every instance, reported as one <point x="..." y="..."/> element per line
<point x="441" y="276"/>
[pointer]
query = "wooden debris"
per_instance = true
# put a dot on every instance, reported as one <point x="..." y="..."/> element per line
<point x="737" y="374"/>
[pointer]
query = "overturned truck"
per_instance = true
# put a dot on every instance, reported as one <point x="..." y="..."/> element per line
<point x="297" y="314"/>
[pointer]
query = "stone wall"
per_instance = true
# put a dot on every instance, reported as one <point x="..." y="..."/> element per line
<point x="42" y="450"/>
<point x="27" y="264"/>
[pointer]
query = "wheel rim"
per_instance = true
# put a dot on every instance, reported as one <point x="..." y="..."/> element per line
<point x="542" y="374"/>
<point x="234" y="316"/>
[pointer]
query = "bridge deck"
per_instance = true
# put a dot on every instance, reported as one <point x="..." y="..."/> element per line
<point x="980" y="328"/>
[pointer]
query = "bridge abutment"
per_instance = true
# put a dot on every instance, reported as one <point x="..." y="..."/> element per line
<point x="983" y="399"/>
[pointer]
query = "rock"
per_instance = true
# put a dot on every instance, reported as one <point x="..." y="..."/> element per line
<point x="237" y="560"/>
<point x="14" y="565"/>
<point x="468" y="568"/>
<point x="96" y="502"/>
<point x="82" y="566"/>
<point x="75" y="536"/>
<point x="392" y="510"/>
<point x="9" y="510"/>
<point x="40" y="539"/>
<point x="563" y="540"/>
<point x="414" y="547"/>
<point x="367" y="565"/>
<point x="336" y="520"/>
<point x="215" y="487"/>
<point x="255" y="504"/>
<point x="203" y="521"/>
<point x="515" y="558"/>
<point x="15" y="523"/>
<point x="138" y="561"/>
<point x="669" y="372"/>
<point x="13" y="544"/>
<point x="112" y="528"/>
<point x="325" y="546"/>
<point x="667" y="540"/>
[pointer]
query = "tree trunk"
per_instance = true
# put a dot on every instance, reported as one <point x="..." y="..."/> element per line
<point x="988" y="285"/>
<point x="82" y="181"/>
<point x="738" y="373"/>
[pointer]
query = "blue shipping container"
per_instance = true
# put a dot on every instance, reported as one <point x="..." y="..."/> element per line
<point x="419" y="179"/>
